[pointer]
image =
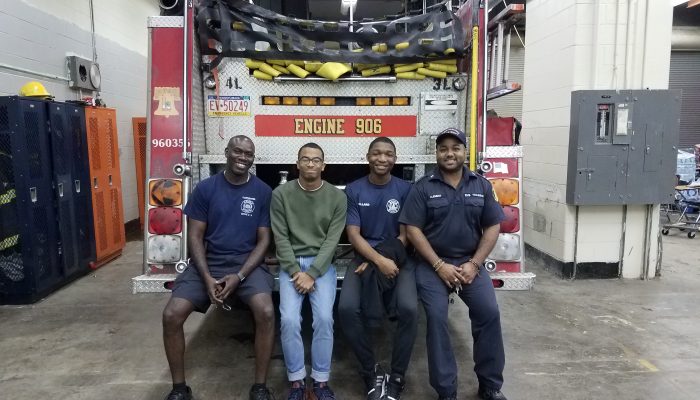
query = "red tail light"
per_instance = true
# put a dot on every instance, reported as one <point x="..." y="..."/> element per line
<point x="164" y="220"/>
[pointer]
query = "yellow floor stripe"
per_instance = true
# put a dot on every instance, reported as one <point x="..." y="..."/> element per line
<point x="646" y="364"/>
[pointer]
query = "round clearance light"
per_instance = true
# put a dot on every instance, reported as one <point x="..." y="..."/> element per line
<point x="165" y="192"/>
<point x="210" y="82"/>
<point x="164" y="249"/>
<point x="164" y="220"/>
<point x="490" y="265"/>
<point x="507" y="191"/>
<point x="507" y="248"/>
<point x="459" y="84"/>
<point x="511" y="223"/>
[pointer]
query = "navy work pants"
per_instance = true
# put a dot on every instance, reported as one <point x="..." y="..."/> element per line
<point x="480" y="297"/>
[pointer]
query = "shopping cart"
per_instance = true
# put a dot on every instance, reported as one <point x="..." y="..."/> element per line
<point x="687" y="206"/>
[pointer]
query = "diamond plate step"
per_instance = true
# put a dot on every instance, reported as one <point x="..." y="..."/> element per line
<point x="514" y="280"/>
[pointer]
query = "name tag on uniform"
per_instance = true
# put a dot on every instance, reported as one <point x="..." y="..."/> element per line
<point x="435" y="196"/>
<point x="473" y="195"/>
<point x="363" y="204"/>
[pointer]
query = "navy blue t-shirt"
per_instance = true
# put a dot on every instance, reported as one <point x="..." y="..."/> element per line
<point x="375" y="208"/>
<point x="452" y="219"/>
<point x="233" y="214"/>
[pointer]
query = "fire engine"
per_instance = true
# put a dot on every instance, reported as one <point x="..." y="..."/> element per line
<point x="199" y="97"/>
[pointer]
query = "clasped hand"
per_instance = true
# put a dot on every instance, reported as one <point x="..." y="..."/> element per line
<point x="303" y="282"/>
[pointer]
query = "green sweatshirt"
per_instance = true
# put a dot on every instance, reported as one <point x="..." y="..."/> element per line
<point x="307" y="224"/>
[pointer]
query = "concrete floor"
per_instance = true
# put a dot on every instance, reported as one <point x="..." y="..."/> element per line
<point x="564" y="340"/>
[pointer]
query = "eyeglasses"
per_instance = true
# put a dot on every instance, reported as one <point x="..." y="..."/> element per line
<point x="314" y="161"/>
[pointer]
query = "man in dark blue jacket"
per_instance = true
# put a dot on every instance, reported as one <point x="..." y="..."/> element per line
<point x="452" y="218"/>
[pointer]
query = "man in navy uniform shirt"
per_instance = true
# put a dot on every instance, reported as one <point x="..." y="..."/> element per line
<point x="379" y="275"/>
<point x="452" y="218"/>
<point x="229" y="232"/>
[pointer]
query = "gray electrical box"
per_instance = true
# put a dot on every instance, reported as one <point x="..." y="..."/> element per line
<point x="84" y="74"/>
<point x="622" y="147"/>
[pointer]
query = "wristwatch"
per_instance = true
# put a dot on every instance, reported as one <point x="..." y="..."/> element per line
<point x="240" y="276"/>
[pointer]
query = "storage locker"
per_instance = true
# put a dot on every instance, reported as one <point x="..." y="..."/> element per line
<point x="29" y="258"/>
<point x="105" y="181"/>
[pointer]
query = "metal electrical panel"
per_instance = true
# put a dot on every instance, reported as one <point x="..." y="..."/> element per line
<point x="622" y="146"/>
<point x="84" y="74"/>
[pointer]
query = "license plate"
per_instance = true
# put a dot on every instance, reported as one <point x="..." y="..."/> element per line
<point x="228" y="106"/>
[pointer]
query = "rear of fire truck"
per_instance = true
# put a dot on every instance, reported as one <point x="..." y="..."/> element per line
<point x="225" y="68"/>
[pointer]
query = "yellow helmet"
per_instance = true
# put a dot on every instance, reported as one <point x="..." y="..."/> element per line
<point x="34" y="89"/>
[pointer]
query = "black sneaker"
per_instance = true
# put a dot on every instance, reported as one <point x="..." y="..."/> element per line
<point x="179" y="395"/>
<point x="450" y="397"/>
<point x="374" y="384"/>
<point x="322" y="391"/>
<point x="297" y="391"/>
<point x="260" y="392"/>
<point x="394" y="387"/>
<point x="490" y="394"/>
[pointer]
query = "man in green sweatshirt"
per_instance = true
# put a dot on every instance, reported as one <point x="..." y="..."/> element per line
<point x="308" y="217"/>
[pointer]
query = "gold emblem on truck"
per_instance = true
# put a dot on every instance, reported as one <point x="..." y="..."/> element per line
<point x="166" y="98"/>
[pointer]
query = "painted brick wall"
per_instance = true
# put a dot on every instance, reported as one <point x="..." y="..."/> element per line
<point x="575" y="45"/>
<point x="38" y="34"/>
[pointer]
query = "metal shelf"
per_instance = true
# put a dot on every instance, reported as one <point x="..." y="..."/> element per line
<point x="503" y="90"/>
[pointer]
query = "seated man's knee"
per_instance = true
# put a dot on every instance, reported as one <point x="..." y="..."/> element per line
<point x="486" y="312"/>
<point x="347" y="309"/>
<point x="173" y="317"/>
<point x="290" y="322"/>
<point x="323" y="319"/>
<point x="436" y="315"/>
<point x="407" y="310"/>
<point x="264" y="312"/>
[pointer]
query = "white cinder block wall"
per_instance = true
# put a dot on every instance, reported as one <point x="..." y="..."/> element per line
<point x="38" y="34"/>
<point x="576" y="45"/>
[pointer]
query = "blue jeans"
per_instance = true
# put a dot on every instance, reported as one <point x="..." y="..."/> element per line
<point x="322" y="299"/>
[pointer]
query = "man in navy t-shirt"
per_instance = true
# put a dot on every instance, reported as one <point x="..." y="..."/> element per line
<point x="380" y="278"/>
<point x="453" y="219"/>
<point x="228" y="235"/>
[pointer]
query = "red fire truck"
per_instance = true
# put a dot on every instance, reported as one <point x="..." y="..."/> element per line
<point x="193" y="111"/>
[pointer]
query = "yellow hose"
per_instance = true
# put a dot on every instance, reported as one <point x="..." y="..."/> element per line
<point x="446" y="62"/>
<point x="401" y="46"/>
<point x="408" y="67"/>
<point x="252" y="64"/>
<point x="376" y="71"/>
<point x="269" y="70"/>
<point x="431" y="73"/>
<point x="410" y="75"/>
<point x="450" y="69"/>
<point x="298" y="71"/>
<point x="261" y="75"/>
<point x="281" y="69"/>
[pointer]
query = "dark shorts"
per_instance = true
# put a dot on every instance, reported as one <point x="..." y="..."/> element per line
<point x="190" y="286"/>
